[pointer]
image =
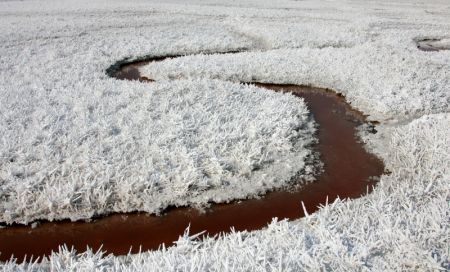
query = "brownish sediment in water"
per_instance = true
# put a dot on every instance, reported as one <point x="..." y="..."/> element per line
<point x="347" y="169"/>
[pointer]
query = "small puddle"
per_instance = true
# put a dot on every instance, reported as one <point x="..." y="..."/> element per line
<point x="432" y="45"/>
<point x="347" y="171"/>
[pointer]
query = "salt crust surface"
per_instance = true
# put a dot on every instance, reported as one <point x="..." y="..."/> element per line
<point x="366" y="50"/>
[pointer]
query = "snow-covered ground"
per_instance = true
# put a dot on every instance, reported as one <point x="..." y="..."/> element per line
<point x="75" y="142"/>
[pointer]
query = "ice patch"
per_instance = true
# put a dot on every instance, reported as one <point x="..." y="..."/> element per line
<point x="433" y="44"/>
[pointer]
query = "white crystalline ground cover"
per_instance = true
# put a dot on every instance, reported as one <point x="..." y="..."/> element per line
<point x="56" y="101"/>
<point x="75" y="143"/>
<point x="401" y="89"/>
<point x="402" y="226"/>
<point x="187" y="142"/>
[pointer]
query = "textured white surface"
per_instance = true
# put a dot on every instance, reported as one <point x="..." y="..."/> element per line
<point x="402" y="225"/>
<point x="75" y="143"/>
<point x="53" y="57"/>
<point x="401" y="89"/>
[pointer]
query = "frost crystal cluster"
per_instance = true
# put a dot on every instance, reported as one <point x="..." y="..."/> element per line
<point x="75" y="143"/>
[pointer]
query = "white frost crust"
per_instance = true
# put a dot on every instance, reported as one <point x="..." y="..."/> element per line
<point x="75" y="143"/>
<point x="402" y="225"/>
<point x="52" y="60"/>
<point x="400" y="90"/>
<point x="178" y="143"/>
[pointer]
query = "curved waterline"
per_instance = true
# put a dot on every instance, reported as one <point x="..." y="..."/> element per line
<point x="348" y="169"/>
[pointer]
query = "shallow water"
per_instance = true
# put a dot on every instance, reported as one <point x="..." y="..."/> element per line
<point x="347" y="171"/>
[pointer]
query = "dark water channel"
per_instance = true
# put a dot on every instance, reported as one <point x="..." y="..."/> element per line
<point x="347" y="171"/>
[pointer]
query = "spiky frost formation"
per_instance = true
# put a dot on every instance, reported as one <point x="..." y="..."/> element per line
<point x="178" y="143"/>
<point x="401" y="90"/>
<point x="75" y="143"/>
<point x="53" y="55"/>
<point x="402" y="226"/>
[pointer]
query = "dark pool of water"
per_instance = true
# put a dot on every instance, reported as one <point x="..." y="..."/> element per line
<point x="347" y="171"/>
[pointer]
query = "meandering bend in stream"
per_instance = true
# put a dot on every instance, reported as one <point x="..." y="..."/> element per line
<point x="348" y="169"/>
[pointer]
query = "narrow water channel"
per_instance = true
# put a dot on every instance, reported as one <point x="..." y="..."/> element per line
<point x="347" y="171"/>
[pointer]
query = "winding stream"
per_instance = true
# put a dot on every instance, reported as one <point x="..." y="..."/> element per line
<point x="347" y="171"/>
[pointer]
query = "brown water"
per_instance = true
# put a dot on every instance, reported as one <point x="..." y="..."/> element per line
<point x="347" y="168"/>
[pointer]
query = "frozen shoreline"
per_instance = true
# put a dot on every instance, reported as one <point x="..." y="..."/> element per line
<point x="367" y="52"/>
